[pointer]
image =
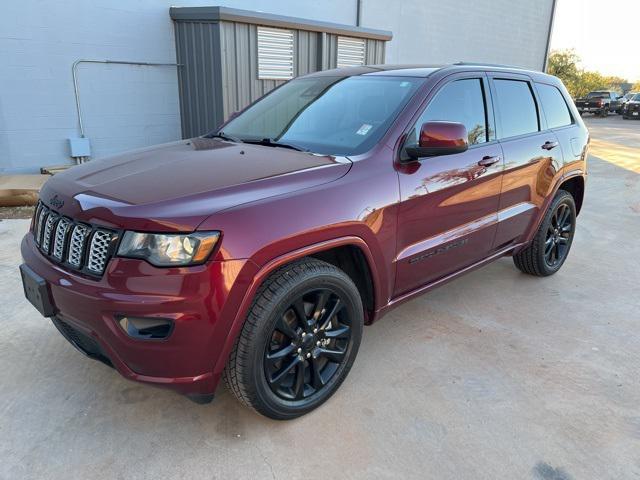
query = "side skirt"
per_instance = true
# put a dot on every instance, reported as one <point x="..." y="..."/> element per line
<point x="425" y="288"/>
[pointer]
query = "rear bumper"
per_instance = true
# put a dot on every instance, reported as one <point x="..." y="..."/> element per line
<point x="201" y="301"/>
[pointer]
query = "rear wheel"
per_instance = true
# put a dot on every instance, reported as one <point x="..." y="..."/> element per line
<point x="298" y="342"/>
<point x="550" y="246"/>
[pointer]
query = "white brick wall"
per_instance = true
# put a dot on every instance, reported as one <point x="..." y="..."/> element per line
<point x="126" y="107"/>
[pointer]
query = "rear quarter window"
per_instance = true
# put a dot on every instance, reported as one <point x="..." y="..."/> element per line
<point x="554" y="106"/>
<point x="517" y="111"/>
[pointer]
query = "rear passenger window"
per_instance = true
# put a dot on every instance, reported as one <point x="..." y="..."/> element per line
<point x="517" y="112"/>
<point x="459" y="101"/>
<point x="554" y="106"/>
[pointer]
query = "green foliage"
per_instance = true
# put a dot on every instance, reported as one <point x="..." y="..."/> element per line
<point x="565" y="64"/>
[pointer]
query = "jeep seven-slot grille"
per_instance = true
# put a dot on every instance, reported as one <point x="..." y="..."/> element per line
<point x="79" y="246"/>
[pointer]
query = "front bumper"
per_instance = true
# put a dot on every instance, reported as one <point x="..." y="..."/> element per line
<point x="202" y="302"/>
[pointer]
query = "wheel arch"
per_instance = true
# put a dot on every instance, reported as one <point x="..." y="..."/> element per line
<point x="351" y="254"/>
<point x="575" y="186"/>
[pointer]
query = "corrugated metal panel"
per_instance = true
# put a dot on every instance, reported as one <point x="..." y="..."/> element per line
<point x="275" y="53"/>
<point x="220" y="73"/>
<point x="197" y="50"/>
<point x="350" y="52"/>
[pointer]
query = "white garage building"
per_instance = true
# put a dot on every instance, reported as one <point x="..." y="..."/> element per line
<point x="125" y="106"/>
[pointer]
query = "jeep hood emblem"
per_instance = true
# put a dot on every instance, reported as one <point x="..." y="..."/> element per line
<point x="55" y="202"/>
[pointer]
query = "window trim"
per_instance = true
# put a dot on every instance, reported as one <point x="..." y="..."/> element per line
<point x="488" y="104"/>
<point x="542" y="125"/>
<point x="566" y="104"/>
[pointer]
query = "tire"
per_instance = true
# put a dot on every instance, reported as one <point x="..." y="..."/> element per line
<point x="605" y="112"/>
<point x="536" y="259"/>
<point x="264" y="368"/>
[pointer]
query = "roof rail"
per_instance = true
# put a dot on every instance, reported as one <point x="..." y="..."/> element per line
<point x="482" y="64"/>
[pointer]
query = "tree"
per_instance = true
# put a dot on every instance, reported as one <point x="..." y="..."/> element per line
<point x="565" y="64"/>
<point x="636" y="87"/>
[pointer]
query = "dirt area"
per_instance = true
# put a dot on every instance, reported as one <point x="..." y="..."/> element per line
<point x="16" y="212"/>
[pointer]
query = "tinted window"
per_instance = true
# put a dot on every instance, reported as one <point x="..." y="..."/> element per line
<point x="517" y="111"/>
<point x="459" y="101"/>
<point x="598" y="95"/>
<point x="327" y="115"/>
<point x="554" y="106"/>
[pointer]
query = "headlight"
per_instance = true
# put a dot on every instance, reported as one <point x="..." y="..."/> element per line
<point x="168" y="250"/>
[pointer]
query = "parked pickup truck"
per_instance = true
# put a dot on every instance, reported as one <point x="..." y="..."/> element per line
<point x="599" y="102"/>
<point x="258" y="252"/>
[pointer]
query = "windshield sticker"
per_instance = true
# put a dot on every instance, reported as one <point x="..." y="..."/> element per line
<point x="364" y="129"/>
<point x="404" y="84"/>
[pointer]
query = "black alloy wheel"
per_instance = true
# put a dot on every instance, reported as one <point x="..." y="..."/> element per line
<point x="559" y="233"/>
<point x="307" y="345"/>
<point x="550" y="246"/>
<point x="299" y="340"/>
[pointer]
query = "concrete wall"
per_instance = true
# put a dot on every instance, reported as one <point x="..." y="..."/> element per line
<point x="126" y="107"/>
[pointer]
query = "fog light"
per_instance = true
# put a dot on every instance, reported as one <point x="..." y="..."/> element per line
<point x="146" y="328"/>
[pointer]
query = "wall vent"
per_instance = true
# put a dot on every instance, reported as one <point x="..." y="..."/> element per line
<point x="350" y="52"/>
<point x="275" y="54"/>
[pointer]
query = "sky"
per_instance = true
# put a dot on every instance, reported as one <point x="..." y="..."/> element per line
<point x="611" y="50"/>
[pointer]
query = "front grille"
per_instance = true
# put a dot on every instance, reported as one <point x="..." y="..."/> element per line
<point x="78" y="246"/>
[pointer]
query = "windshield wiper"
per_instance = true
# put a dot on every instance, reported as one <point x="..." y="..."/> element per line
<point x="224" y="136"/>
<point x="269" y="142"/>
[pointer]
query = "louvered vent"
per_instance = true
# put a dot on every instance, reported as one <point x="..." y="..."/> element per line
<point x="275" y="54"/>
<point x="350" y="52"/>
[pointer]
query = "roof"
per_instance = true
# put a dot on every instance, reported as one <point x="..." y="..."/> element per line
<point x="217" y="14"/>
<point x="421" y="70"/>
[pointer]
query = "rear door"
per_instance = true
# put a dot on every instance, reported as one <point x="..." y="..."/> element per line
<point x="532" y="155"/>
<point x="448" y="210"/>
<point x="561" y="121"/>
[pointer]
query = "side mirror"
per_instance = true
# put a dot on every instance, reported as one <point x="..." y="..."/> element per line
<point x="439" y="138"/>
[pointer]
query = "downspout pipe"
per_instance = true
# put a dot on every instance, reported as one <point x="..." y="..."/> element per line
<point x="358" y="12"/>
<point x="549" y="33"/>
<point x="76" y="91"/>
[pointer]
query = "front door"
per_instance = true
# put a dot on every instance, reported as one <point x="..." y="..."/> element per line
<point x="448" y="211"/>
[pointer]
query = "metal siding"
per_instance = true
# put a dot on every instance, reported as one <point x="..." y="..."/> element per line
<point x="198" y="78"/>
<point x="220" y="73"/>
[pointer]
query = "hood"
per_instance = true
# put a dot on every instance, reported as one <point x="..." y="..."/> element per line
<point x="178" y="185"/>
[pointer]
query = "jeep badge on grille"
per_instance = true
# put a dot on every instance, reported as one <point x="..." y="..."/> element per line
<point x="55" y="202"/>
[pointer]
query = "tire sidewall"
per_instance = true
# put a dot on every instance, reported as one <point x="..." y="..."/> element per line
<point x="562" y="198"/>
<point x="344" y="287"/>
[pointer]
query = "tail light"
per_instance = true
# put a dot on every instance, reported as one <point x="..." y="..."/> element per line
<point x="600" y="103"/>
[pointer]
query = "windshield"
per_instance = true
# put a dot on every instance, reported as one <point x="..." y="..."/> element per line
<point x="636" y="97"/>
<point x="598" y="94"/>
<point x="326" y="115"/>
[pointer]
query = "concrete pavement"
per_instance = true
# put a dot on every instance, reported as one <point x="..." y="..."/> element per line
<point x="495" y="375"/>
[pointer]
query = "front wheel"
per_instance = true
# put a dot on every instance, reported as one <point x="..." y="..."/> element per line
<point x="299" y="340"/>
<point x="551" y="244"/>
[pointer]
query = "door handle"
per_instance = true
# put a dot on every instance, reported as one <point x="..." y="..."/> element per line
<point x="549" y="145"/>
<point x="488" y="161"/>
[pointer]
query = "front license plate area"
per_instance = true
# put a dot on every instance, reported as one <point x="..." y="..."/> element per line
<point x="36" y="290"/>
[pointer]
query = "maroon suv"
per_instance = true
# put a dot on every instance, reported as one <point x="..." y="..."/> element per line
<point x="258" y="252"/>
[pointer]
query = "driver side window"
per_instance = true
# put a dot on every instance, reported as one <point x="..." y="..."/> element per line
<point x="459" y="101"/>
